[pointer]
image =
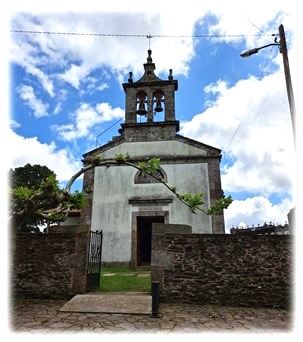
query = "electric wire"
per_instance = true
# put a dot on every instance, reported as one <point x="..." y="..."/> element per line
<point x="264" y="33"/>
<point x="149" y="36"/>
<point x="107" y="129"/>
<point x="250" y="101"/>
<point x="228" y="149"/>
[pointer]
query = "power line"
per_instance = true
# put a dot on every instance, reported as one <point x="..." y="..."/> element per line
<point x="107" y="129"/>
<point x="149" y="36"/>
<point x="264" y="33"/>
<point x="244" y="115"/>
<point x="246" y="111"/>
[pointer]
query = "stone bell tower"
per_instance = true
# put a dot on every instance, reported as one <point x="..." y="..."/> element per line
<point x="146" y="98"/>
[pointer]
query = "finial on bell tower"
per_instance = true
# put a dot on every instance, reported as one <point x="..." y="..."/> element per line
<point x="149" y="58"/>
<point x="130" y="78"/>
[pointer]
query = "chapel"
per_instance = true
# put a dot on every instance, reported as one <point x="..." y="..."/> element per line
<point x="124" y="203"/>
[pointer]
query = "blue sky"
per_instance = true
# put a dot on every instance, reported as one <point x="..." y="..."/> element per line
<point x="65" y="90"/>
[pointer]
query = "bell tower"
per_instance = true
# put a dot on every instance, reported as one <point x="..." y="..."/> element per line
<point x="145" y="100"/>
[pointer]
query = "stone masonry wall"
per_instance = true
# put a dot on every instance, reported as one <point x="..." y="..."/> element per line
<point x="49" y="265"/>
<point x="223" y="269"/>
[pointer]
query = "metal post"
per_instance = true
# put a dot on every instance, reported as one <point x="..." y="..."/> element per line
<point x="290" y="94"/>
<point x="155" y="298"/>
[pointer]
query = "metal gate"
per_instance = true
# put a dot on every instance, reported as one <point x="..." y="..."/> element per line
<point x="94" y="260"/>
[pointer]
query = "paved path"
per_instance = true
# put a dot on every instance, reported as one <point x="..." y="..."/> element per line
<point x="43" y="316"/>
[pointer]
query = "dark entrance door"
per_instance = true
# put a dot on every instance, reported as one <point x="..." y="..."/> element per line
<point x="144" y="232"/>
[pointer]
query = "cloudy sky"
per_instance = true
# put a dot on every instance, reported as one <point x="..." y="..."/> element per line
<point x="66" y="98"/>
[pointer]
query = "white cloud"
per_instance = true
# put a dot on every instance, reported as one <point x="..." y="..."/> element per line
<point x="108" y="113"/>
<point x="262" y="149"/>
<point x="92" y="85"/>
<point x="74" y="75"/>
<point x="25" y="54"/>
<point x="256" y="210"/>
<point x="14" y="124"/>
<point x="27" y="94"/>
<point x="77" y="56"/>
<point x="85" y="118"/>
<point x="31" y="150"/>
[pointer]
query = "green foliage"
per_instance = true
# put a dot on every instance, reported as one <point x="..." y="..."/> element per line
<point x="95" y="160"/>
<point x="150" y="167"/>
<point x="143" y="167"/>
<point x="33" y="206"/>
<point x="29" y="176"/>
<point x="173" y="189"/>
<point x="120" y="158"/>
<point x="18" y="198"/>
<point x="153" y="165"/>
<point x="50" y="184"/>
<point x="77" y="200"/>
<point x="23" y="193"/>
<point x="194" y="201"/>
<point x="220" y="204"/>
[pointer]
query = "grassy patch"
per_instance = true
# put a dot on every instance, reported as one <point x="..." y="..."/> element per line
<point x="124" y="279"/>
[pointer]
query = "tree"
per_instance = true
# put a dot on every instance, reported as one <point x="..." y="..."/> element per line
<point x="29" y="176"/>
<point x="48" y="202"/>
<point x="34" y="194"/>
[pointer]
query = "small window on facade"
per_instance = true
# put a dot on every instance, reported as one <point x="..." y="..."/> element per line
<point x="141" y="178"/>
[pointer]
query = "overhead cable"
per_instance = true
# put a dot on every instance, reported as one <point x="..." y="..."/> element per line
<point x="138" y="35"/>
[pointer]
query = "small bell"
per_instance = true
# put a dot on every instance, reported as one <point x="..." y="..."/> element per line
<point x="141" y="109"/>
<point x="158" y="107"/>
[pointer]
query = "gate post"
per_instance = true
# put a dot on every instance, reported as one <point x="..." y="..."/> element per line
<point x="155" y="298"/>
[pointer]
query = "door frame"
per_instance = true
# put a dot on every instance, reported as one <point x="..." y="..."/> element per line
<point x="134" y="235"/>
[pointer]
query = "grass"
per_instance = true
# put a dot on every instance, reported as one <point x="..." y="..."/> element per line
<point x="124" y="279"/>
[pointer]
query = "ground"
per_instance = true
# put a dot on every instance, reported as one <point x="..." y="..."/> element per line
<point x="43" y="316"/>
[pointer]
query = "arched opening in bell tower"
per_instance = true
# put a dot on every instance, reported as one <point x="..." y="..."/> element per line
<point x="159" y="105"/>
<point x="142" y="103"/>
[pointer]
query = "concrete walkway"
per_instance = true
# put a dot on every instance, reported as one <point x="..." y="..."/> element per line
<point x="116" y="302"/>
<point x="44" y="316"/>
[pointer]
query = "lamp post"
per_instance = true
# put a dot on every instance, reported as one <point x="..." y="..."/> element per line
<point x="290" y="94"/>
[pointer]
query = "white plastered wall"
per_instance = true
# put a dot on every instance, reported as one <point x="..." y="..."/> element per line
<point x="114" y="186"/>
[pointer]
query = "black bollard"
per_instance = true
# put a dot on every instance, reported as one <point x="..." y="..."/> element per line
<point x="155" y="298"/>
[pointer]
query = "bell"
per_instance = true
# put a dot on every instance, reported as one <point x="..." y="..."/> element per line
<point x="158" y="107"/>
<point x="141" y="110"/>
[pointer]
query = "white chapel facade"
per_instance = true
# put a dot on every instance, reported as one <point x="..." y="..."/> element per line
<point x="124" y="203"/>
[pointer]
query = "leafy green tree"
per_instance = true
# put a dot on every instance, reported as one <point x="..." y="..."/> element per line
<point x="29" y="176"/>
<point x="35" y="198"/>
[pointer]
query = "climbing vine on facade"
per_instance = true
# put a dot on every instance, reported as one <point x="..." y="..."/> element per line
<point x="59" y="202"/>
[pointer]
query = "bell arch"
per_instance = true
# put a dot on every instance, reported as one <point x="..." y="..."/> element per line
<point x="159" y="102"/>
<point x="141" y="99"/>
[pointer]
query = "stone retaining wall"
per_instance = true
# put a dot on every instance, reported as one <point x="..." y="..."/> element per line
<point x="223" y="269"/>
<point x="50" y="265"/>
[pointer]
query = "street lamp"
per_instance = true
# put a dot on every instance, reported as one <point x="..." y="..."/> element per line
<point x="290" y="94"/>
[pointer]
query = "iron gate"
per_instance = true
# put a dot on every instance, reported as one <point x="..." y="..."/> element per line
<point x="94" y="260"/>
